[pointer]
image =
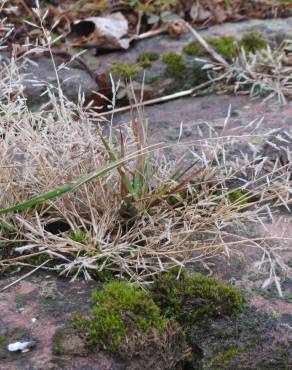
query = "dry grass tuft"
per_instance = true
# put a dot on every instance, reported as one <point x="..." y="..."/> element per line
<point x="143" y="215"/>
<point x="266" y="73"/>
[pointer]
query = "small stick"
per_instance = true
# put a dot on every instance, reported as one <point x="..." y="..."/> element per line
<point x="162" y="99"/>
<point x="138" y="27"/>
<point x="24" y="276"/>
<point x="206" y="46"/>
<point x="149" y="34"/>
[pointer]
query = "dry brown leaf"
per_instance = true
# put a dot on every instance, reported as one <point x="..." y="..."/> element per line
<point x="107" y="33"/>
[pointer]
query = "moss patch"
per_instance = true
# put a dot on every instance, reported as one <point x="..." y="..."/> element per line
<point x="175" y="65"/>
<point x="226" y="45"/>
<point x="195" y="298"/>
<point x="123" y="70"/>
<point x="120" y="308"/>
<point x="78" y="236"/>
<point x="126" y="321"/>
<point x="145" y="60"/>
<point x="194" y="49"/>
<point x="223" y="45"/>
<point x="237" y="197"/>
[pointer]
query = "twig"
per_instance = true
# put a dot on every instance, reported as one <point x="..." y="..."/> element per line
<point x="149" y="34"/>
<point x="24" y="276"/>
<point x="206" y="46"/>
<point x="165" y="98"/>
<point x="138" y="27"/>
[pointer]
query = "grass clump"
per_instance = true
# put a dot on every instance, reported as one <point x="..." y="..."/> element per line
<point x="195" y="298"/>
<point x="120" y="310"/>
<point x="175" y="64"/>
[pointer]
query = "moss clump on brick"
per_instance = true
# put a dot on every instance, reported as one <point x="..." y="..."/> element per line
<point x="123" y="70"/>
<point x="78" y="236"/>
<point x="195" y="298"/>
<point x="238" y="197"/>
<point x="224" y="45"/>
<point x="145" y="60"/>
<point x="120" y="309"/>
<point x="194" y="49"/>
<point x="175" y="65"/>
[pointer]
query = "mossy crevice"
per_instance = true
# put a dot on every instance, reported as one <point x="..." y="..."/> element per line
<point x="145" y="60"/>
<point x="237" y="197"/>
<point x="195" y="298"/>
<point x="124" y="70"/>
<point x="125" y="321"/>
<point x="119" y="309"/>
<point x="184" y="72"/>
<point x="175" y="65"/>
<point x="227" y="45"/>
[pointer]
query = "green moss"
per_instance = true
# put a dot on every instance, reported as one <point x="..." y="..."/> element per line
<point x="147" y="58"/>
<point x="120" y="309"/>
<point x="221" y="358"/>
<point x="194" y="49"/>
<point x="195" y="298"/>
<point x="78" y="236"/>
<point x="224" y="45"/>
<point x="252" y="41"/>
<point x="237" y="197"/>
<point x="124" y="70"/>
<point x="37" y="260"/>
<point x="175" y="65"/>
<point x="105" y="275"/>
<point x="57" y="346"/>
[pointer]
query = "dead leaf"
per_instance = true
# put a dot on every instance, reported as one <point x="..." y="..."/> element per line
<point x="104" y="33"/>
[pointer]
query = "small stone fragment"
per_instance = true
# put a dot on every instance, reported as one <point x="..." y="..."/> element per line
<point x="20" y="346"/>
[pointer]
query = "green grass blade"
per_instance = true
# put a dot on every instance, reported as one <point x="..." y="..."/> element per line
<point x="67" y="187"/>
